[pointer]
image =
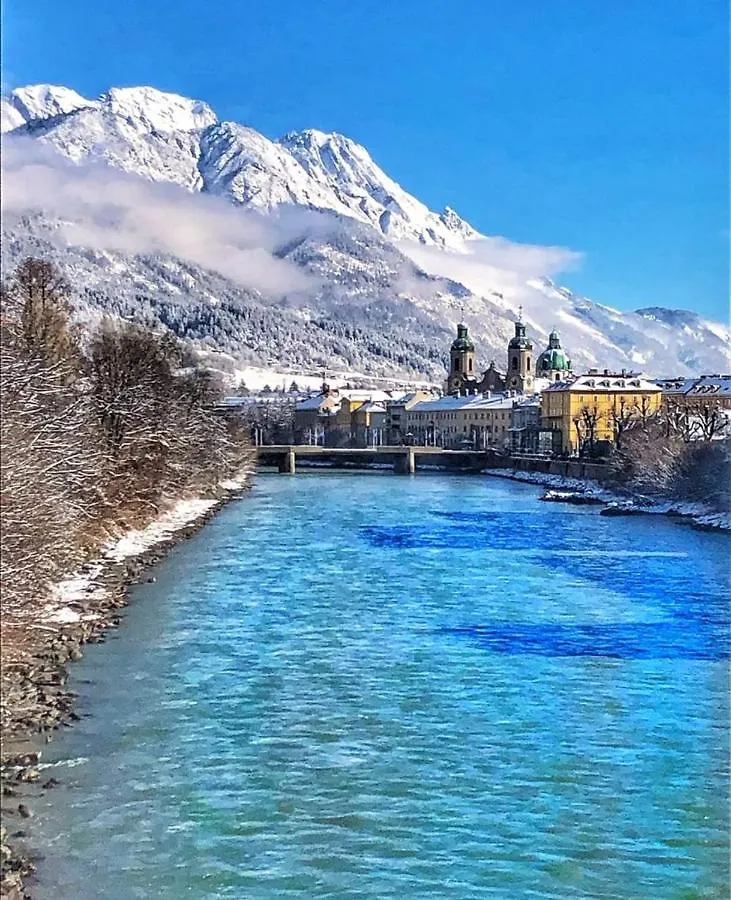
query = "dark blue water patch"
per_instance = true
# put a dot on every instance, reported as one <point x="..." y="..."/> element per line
<point x="661" y="577"/>
<point x="486" y="517"/>
<point x="454" y="536"/>
<point x="653" y="640"/>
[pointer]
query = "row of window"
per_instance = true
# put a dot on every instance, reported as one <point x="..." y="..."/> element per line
<point x="441" y="417"/>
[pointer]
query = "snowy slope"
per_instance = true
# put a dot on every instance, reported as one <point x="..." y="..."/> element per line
<point x="39" y="101"/>
<point x="381" y="255"/>
<point x="165" y="137"/>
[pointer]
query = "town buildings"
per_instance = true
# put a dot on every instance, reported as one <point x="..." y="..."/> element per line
<point x="539" y="405"/>
<point x="698" y="408"/>
<point x="339" y="417"/>
<point x="396" y="425"/>
<point x="478" y="421"/>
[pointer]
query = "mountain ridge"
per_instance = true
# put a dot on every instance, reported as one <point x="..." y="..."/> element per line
<point x="437" y="263"/>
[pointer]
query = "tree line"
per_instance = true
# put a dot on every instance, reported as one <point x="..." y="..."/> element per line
<point x="681" y="451"/>
<point x="100" y="427"/>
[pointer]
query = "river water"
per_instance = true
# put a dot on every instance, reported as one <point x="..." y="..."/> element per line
<point x="377" y="686"/>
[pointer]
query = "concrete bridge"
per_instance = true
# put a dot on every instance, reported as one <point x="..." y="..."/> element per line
<point x="402" y="459"/>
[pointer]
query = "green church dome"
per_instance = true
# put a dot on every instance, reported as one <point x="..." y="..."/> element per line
<point x="553" y="357"/>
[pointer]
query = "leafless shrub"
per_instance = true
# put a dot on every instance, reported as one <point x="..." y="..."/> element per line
<point x="91" y="441"/>
<point x="658" y="460"/>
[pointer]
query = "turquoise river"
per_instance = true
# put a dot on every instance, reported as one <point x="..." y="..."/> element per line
<point x="376" y="686"/>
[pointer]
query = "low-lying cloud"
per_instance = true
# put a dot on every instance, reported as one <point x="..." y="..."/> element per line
<point x="102" y="208"/>
<point x="494" y="264"/>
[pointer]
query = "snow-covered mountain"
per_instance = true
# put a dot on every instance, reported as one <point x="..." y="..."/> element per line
<point x="375" y="257"/>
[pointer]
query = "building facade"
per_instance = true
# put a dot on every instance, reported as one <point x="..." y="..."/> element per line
<point x="698" y="408"/>
<point x="476" y="421"/>
<point x="525" y="426"/>
<point x="343" y="417"/>
<point x="396" y="426"/>
<point x="589" y="410"/>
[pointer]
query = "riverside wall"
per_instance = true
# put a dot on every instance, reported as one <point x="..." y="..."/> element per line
<point x="568" y="468"/>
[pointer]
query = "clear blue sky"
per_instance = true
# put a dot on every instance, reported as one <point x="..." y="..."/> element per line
<point x="601" y="126"/>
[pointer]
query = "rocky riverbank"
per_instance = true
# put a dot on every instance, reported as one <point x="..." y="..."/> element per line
<point x="35" y="701"/>
<point x="578" y="491"/>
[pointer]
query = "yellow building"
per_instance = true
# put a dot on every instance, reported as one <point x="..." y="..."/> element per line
<point x="596" y="407"/>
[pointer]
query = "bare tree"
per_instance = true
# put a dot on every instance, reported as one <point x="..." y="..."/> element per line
<point x="586" y="424"/>
<point x="95" y="443"/>
<point x="707" y="420"/>
<point x="39" y="296"/>
<point x="621" y="416"/>
<point x="676" y="420"/>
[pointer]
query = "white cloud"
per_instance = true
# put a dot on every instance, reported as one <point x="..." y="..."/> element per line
<point x="109" y="210"/>
<point x="494" y="265"/>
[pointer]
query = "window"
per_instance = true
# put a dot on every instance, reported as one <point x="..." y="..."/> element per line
<point x="470" y="364"/>
<point x="528" y="364"/>
<point x="514" y="363"/>
<point x="456" y="364"/>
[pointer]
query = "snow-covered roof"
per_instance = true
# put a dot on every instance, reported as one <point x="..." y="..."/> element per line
<point x="370" y="395"/>
<point x="472" y="402"/>
<point x="372" y="406"/>
<point x="312" y="402"/>
<point x="704" y="386"/>
<point x="408" y="398"/>
<point x="606" y="382"/>
<point x="527" y="400"/>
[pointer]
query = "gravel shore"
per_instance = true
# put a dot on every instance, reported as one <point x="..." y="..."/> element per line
<point x="562" y="489"/>
<point x="35" y="702"/>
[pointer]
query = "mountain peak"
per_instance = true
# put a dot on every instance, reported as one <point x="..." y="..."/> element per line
<point x="457" y="224"/>
<point x="155" y="110"/>
<point x="314" y="138"/>
<point x="39" y="101"/>
<point x="165" y="137"/>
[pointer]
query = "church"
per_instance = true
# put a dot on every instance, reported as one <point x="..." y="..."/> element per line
<point x="525" y="374"/>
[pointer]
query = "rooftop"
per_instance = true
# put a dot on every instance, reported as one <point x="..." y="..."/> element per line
<point x="472" y="402"/>
<point x="705" y="385"/>
<point x="607" y="381"/>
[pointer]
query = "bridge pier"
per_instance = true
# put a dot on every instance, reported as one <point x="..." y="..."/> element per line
<point x="287" y="465"/>
<point x="407" y="464"/>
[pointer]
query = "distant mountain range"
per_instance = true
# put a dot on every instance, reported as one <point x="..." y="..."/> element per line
<point x="299" y="252"/>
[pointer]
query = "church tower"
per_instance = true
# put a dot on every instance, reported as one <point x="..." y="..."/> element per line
<point x="461" y="360"/>
<point x="519" y="376"/>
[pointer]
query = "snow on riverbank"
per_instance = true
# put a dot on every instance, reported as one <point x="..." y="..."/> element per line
<point x="84" y="584"/>
<point x="699" y="513"/>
